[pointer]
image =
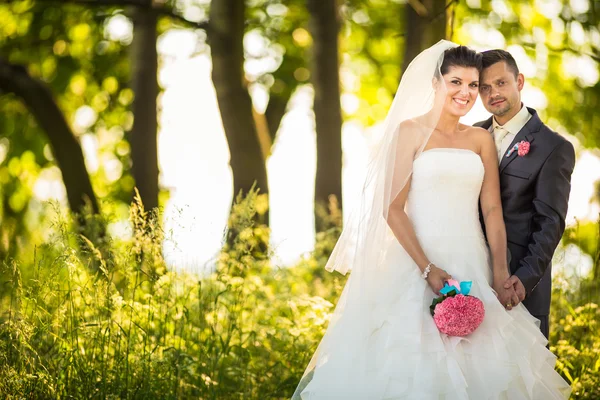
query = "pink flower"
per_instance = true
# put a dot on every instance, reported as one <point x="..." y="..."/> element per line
<point x="459" y="315"/>
<point x="523" y="148"/>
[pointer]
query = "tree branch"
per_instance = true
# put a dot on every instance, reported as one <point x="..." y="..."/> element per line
<point x="275" y="112"/>
<point x="192" y="24"/>
<point x="419" y="8"/>
<point x="65" y="147"/>
<point x="565" y="49"/>
<point x="452" y="21"/>
<point x="443" y="12"/>
<point x="136" y="3"/>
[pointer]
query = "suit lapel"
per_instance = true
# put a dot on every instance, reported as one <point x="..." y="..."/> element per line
<point x="485" y="124"/>
<point x="527" y="133"/>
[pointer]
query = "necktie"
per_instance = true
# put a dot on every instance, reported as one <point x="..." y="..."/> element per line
<point x="499" y="135"/>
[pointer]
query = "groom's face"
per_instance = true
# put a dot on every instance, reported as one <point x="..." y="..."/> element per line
<point x="500" y="89"/>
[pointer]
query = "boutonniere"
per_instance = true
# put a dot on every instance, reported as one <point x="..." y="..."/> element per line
<point x="522" y="148"/>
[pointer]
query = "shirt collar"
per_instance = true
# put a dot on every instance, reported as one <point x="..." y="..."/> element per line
<point x="516" y="123"/>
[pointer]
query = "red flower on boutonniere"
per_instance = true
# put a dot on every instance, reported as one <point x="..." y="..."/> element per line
<point x="522" y="148"/>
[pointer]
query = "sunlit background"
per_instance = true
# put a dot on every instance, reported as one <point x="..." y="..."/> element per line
<point x="193" y="152"/>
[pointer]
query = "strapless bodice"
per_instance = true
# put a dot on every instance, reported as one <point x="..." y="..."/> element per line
<point x="444" y="194"/>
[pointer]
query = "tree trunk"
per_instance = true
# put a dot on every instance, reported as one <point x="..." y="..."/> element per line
<point x="144" y="146"/>
<point x="226" y="44"/>
<point x="596" y="268"/>
<point x="324" y="25"/>
<point x="275" y="112"/>
<point x="426" y="24"/>
<point x="65" y="147"/>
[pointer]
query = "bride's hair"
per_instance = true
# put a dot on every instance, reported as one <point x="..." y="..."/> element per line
<point x="461" y="56"/>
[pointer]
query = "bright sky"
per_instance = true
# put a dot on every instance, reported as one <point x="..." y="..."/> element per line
<point x="193" y="155"/>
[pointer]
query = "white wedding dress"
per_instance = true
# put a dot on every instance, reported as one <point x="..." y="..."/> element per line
<point x="406" y="357"/>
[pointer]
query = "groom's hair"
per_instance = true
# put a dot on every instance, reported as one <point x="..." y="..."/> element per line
<point x="460" y="56"/>
<point x="491" y="57"/>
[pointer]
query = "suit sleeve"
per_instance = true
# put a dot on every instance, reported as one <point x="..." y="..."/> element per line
<point x="550" y="211"/>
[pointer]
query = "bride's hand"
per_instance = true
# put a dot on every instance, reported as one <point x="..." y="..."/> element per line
<point x="437" y="278"/>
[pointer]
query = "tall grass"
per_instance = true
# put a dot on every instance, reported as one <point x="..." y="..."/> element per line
<point x="97" y="318"/>
<point x="113" y="322"/>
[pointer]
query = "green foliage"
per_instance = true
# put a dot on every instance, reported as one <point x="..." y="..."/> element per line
<point x="282" y="25"/>
<point x="67" y="48"/>
<point x="576" y="337"/>
<point x="133" y="329"/>
<point x="247" y="246"/>
<point x="586" y="235"/>
<point x="372" y="47"/>
<point x="113" y="322"/>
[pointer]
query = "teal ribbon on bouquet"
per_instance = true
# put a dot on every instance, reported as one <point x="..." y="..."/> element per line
<point x="451" y="288"/>
<point x="458" y="288"/>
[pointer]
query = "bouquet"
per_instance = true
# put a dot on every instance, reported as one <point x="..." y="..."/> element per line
<point x="455" y="313"/>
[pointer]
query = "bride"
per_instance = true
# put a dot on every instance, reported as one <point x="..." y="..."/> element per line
<point x="416" y="227"/>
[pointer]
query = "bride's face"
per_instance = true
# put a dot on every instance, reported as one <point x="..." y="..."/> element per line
<point x="461" y="90"/>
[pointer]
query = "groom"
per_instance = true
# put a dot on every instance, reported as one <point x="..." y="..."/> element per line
<point x="535" y="182"/>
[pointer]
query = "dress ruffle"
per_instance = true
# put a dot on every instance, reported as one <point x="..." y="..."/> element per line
<point x="406" y="357"/>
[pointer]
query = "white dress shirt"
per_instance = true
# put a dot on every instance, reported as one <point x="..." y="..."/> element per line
<point x="511" y="128"/>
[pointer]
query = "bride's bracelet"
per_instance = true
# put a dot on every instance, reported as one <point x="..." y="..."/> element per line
<point x="426" y="271"/>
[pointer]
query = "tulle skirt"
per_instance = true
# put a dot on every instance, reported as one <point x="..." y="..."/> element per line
<point x="395" y="351"/>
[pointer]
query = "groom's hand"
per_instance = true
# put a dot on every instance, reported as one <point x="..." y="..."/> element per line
<point x="517" y="285"/>
<point x="506" y="296"/>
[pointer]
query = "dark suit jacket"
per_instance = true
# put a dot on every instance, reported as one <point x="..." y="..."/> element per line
<point x="535" y="192"/>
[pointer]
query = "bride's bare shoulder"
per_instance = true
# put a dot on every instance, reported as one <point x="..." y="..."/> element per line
<point x="416" y="125"/>
<point x="475" y="132"/>
<point x="409" y="124"/>
<point x="482" y="137"/>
